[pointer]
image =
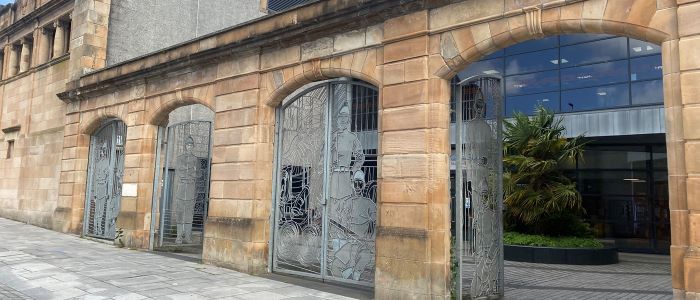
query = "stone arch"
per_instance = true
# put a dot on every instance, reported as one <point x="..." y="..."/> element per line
<point x="636" y="19"/>
<point x="360" y="65"/>
<point x="159" y="115"/>
<point x="96" y="120"/>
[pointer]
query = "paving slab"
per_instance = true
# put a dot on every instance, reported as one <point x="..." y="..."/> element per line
<point x="37" y="263"/>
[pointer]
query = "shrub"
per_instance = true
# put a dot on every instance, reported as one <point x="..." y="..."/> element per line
<point x="514" y="238"/>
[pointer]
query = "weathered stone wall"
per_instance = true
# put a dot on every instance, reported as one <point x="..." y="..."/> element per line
<point x="138" y="27"/>
<point x="33" y="118"/>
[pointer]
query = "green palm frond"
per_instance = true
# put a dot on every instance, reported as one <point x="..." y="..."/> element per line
<point x="534" y="186"/>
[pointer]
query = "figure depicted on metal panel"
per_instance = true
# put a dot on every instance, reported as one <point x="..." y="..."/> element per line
<point x="353" y="242"/>
<point x="351" y="214"/>
<point x="101" y="189"/>
<point x="480" y="163"/>
<point x="187" y="170"/>
<point x="344" y="147"/>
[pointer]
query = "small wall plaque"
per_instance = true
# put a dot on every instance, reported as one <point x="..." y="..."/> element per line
<point x="129" y="190"/>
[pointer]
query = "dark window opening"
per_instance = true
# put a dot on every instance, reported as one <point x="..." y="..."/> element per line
<point x="10" y="148"/>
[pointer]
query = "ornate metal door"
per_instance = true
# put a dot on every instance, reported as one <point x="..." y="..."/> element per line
<point x="105" y="173"/>
<point x="478" y="187"/>
<point x="185" y="195"/>
<point x="326" y="183"/>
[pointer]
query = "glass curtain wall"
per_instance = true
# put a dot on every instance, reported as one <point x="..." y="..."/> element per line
<point x="625" y="194"/>
<point x="573" y="73"/>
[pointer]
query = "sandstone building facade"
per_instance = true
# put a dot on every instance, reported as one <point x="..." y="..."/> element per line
<point x="54" y="99"/>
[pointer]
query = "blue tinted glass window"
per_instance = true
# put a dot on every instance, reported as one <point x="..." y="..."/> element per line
<point x="580" y="38"/>
<point x="527" y="104"/>
<point x="484" y="67"/>
<point x="593" y="52"/>
<point x="648" y="92"/>
<point x="592" y="75"/>
<point x="639" y="48"/>
<point x="647" y="67"/>
<point x="496" y="54"/>
<point x="532" y="83"/>
<point x="532" y="62"/>
<point x="595" y="98"/>
<point x="533" y="45"/>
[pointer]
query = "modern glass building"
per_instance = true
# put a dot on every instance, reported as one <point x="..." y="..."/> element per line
<point x="610" y="89"/>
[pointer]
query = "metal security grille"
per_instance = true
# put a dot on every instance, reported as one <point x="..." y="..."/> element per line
<point x="326" y="189"/>
<point x="185" y="195"/>
<point x="280" y="5"/>
<point x="105" y="173"/>
<point x="478" y="187"/>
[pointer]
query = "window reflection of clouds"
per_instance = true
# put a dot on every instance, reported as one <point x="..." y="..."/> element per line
<point x="647" y="67"/>
<point x="532" y="83"/>
<point x="591" y="75"/>
<point x="598" y="51"/>
<point x="532" y="62"/>
<point x="595" y="98"/>
<point x="528" y="103"/>
<point x="647" y="92"/>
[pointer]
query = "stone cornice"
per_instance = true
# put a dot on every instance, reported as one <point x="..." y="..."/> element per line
<point x="306" y="23"/>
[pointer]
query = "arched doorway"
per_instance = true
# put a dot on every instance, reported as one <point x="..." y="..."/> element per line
<point x="609" y="88"/>
<point x="182" y="180"/>
<point x="105" y="173"/>
<point x="325" y="193"/>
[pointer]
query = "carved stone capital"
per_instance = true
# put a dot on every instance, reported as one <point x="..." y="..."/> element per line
<point x="59" y="23"/>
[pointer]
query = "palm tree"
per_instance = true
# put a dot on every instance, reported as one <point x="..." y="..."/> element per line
<point x="539" y="197"/>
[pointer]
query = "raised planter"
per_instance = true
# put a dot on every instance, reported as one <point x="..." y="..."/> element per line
<point x="568" y="256"/>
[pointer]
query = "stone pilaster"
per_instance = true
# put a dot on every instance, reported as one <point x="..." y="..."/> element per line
<point x="682" y="57"/>
<point x="26" y="55"/>
<point x="59" y="39"/>
<point x="44" y="45"/>
<point x="14" y="61"/>
<point x="414" y="164"/>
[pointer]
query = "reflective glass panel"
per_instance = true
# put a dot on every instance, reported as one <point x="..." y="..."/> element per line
<point x="595" y="98"/>
<point x="592" y="75"/>
<point x="533" y="45"/>
<point x="532" y="62"/>
<point x="593" y="52"/>
<point x="647" y="67"/>
<point x="532" y="83"/>
<point x="528" y="103"/>
<point x="639" y="48"/>
<point x="580" y="38"/>
<point x="660" y="160"/>
<point x="648" y="92"/>
<point x="615" y="157"/>
<point x="484" y="67"/>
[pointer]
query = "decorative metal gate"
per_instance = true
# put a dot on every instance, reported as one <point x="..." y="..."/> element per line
<point x="105" y="173"/>
<point x="326" y="183"/>
<point x="479" y="187"/>
<point x="185" y="194"/>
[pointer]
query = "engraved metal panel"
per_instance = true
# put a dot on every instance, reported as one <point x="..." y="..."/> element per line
<point x="185" y="195"/>
<point x="105" y="173"/>
<point x="326" y="190"/>
<point x="478" y="187"/>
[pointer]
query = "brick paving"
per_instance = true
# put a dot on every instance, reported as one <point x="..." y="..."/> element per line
<point x="36" y="263"/>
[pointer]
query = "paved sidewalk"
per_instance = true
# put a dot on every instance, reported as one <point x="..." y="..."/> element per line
<point x="637" y="276"/>
<point x="36" y="263"/>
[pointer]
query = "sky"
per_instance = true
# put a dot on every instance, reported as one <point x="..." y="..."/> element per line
<point x="6" y="1"/>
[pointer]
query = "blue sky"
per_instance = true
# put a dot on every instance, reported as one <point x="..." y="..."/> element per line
<point x="6" y="1"/>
